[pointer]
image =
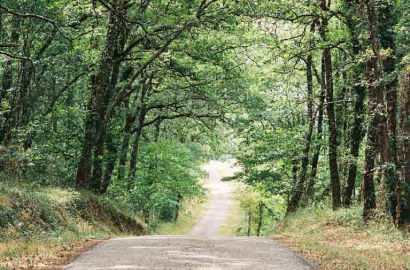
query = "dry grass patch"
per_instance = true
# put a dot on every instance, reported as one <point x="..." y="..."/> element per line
<point x="342" y="241"/>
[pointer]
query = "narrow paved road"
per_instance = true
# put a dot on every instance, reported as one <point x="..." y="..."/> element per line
<point x="220" y="198"/>
<point x="202" y="249"/>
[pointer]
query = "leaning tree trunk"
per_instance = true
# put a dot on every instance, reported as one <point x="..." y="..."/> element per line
<point x="298" y="189"/>
<point x="356" y="140"/>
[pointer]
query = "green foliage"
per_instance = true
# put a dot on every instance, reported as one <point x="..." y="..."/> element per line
<point x="166" y="169"/>
<point x="254" y="199"/>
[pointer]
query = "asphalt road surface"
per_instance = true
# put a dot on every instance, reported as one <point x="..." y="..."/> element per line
<point x="202" y="249"/>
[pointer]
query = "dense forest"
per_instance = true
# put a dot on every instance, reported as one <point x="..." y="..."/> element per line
<point x="127" y="98"/>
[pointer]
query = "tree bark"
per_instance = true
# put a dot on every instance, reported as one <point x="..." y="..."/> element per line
<point x="84" y="165"/>
<point x="376" y="113"/>
<point x="357" y="133"/>
<point x="330" y="109"/>
<point x="298" y="189"/>
<point x="125" y="144"/>
<point x="103" y="90"/>
<point x="142" y="112"/>
<point x="316" y="155"/>
<point x="387" y="22"/>
<point x="368" y="189"/>
<point x="403" y="208"/>
<point x="100" y="86"/>
<point x="249" y="222"/>
<point x="178" y="206"/>
<point x="260" y="223"/>
<point x="7" y="81"/>
<point x="134" y="154"/>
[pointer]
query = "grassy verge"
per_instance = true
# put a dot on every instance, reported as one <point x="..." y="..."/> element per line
<point x="340" y="240"/>
<point x="232" y="225"/>
<point x="45" y="228"/>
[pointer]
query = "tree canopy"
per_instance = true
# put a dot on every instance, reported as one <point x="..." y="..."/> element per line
<point x="127" y="98"/>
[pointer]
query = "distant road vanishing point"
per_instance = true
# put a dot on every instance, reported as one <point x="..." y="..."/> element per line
<point x="202" y="249"/>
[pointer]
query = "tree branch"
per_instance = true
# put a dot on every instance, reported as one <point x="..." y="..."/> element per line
<point x="35" y="16"/>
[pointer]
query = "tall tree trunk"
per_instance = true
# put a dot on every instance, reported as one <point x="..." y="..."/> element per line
<point x="330" y="109"/>
<point x="376" y="113"/>
<point x="100" y="84"/>
<point x="300" y="184"/>
<point x="387" y="22"/>
<point x="357" y="133"/>
<point x="125" y="144"/>
<point x="260" y="223"/>
<point x="7" y="81"/>
<point x="129" y="121"/>
<point x="316" y="155"/>
<point x="178" y="206"/>
<point x="134" y="154"/>
<point x="368" y="189"/>
<point x="403" y="208"/>
<point x="104" y="89"/>
<point x="142" y="112"/>
<point x="84" y="165"/>
<point x="111" y="160"/>
<point x="334" y="170"/>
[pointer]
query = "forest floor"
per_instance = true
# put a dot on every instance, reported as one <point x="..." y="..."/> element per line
<point x="46" y="228"/>
<point x="341" y="240"/>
